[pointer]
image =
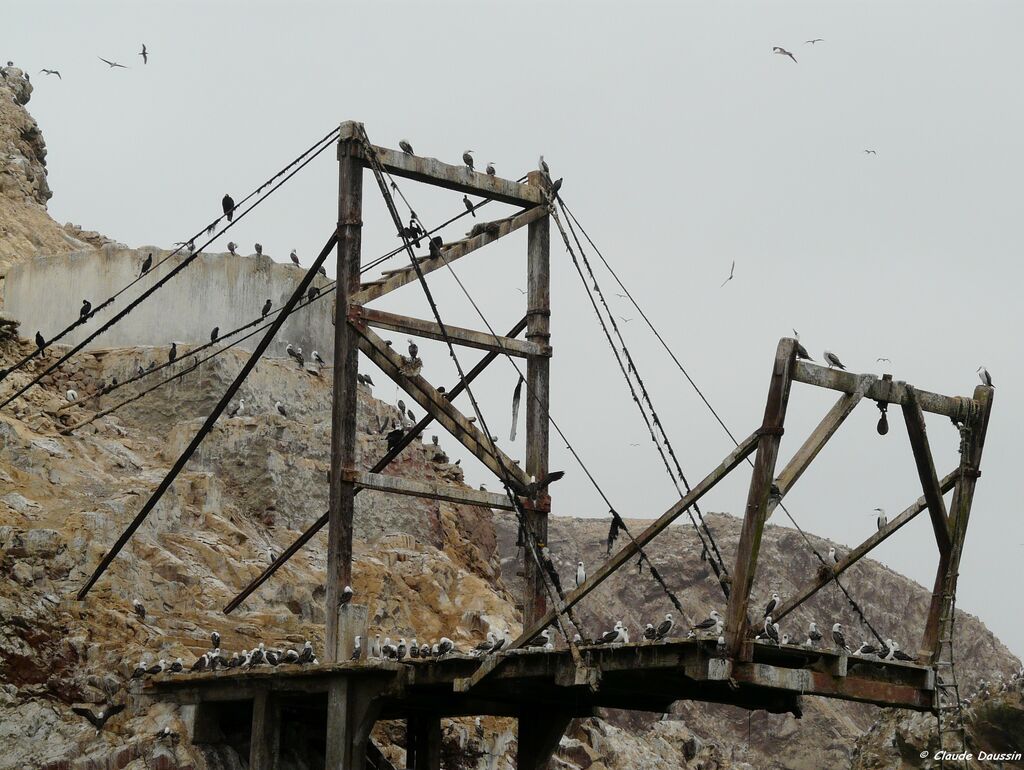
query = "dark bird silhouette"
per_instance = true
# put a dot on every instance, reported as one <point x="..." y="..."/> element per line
<point x="413" y="350"/>
<point x="732" y="271"/>
<point x="543" y="166"/>
<point x="532" y="489"/>
<point x="228" y="204"/>
<point x="322" y="271"/>
<point x="266" y="308"/>
<point x="172" y="353"/>
<point x="405" y="146"/>
<point x="870" y="152"/>
<point x="469" y="205"/>
<point x="86" y="310"/>
<point x="467" y="158"/>
<point x="52" y="72"/>
<point x="814" y="40"/>
<point x="295" y="258"/>
<point x="215" y="334"/>
<point x="111" y="64"/>
<point x="801" y="351"/>
<point x="144" y="54"/>
<point x="99" y="718"/>
<point x="346" y="595"/>
<point x="146" y="264"/>
<point x="40" y="341"/>
<point x="231" y="247"/>
<point x="312" y="294"/>
<point x="782" y="51"/>
<point x="490" y="168"/>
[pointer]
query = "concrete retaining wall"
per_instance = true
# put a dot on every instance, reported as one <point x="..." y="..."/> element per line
<point x="46" y="293"/>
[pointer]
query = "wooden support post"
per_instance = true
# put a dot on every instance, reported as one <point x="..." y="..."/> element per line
<point x="339" y="641"/>
<point x="914" y="418"/>
<point x="538" y="374"/>
<point x="973" y="444"/>
<point x="423" y="742"/>
<point x="540" y="732"/>
<point x="757" y="498"/>
<point x="352" y="709"/>
<point x="265" y="744"/>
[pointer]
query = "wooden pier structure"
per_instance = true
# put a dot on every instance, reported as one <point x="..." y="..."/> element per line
<point x="545" y="689"/>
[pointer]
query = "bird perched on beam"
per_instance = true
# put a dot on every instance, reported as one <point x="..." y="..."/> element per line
<point x="146" y="264"/>
<point x="581" y="574"/>
<point x="801" y="351"/>
<point x="86" y="310"/>
<point x="266" y="308"/>
<point x="881" y="520"/>
<point x="295" y="258"/>
<point x="280" y="409"/>
<point x="838" y="638"/>
<point x="664" y="628"/>
<point x="231" y="248"/>
<point x="215" y="334"/>
<point x="228" y="204"/>
<point x="833" y="556"/>
<point x="467" y="158"/>
<point x="772" y="604"/>
<point x="709" y="622"/>
<point x="259" y="249"/>
<point x="543" y="166"/>
<point x="52" y="72"/>
<point x="534" y="488"/>
<point x="468" y="204"/>
<point x="649" y="632"/>
<point x="40" y="341"/>
<point x="771" y="630"/>
<point x="405" y="147"/>
<point x="413" y="350"/>
<point x="490" y="168"/>
<point x="833" y="360"/>
<point x="99" y="718"/>
<point x="346" y="595"/>
<point x="984" y="376"/>
<point x="813" y="635"/>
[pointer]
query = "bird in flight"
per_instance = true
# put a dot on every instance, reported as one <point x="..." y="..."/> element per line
<point x="625" y="320"/>
<point x="52" y="72"/>
<point x="620" y="295"/>
<point x="814" y="40"/>
<point x="144" y="54"/>
<point x="111" y="64"/>
<point x="732" y="270"/>
<point x="783" y="52"/>
<point x="870" y="152"/>
<point x="880" y="360"/>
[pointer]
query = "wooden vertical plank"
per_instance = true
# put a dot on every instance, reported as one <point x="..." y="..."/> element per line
<point x="960" y="512"/>
<point x="338" y="754"/>
<point x="264" y="745"/>
<point x="918" y="434"/>
<point x="758" y="496"/>
<point x="339" y="642"/>
<point x="539" y="735"/>
<point x="538" y="374"/>
<point x="423" y="736"/>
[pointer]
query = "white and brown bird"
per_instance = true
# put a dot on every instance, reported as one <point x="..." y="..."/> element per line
<point x="467" y="158"/>
<point x="833" y="360"/>
<point x="405" y="146"/>
<point x="838" y="638"/>
<point x="346" y="595"/>
<point x="581" y="574"/>
<point x="782" y="52"/>
<point x="280" y="409"/>
<point x="812" y="41"/>
<point x="52" y="72"/>
<point x="139" y="609"/>
<point x="111" y="64"/>
<point x="881" y="520"/>
<point x="490" y="168"/>
<point x="870" y="152"/>
<point x="99" y="718"/>
<point x="664" y="627"/>
<point x="984" y="376"/>
<point x="801" y="351"/>
<point x="772" y="604"/>
<point x="295" y="258"/>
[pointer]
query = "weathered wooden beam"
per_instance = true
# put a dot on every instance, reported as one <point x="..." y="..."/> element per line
<point x="339" y="643"/>
<point x="769" y="437"/>
<point x="918" y="434"/>
<point x="265" y="743"/>
<point x="960" y="512"/>
<point x="890" y="392"/>
<point x="819" y="582"/>
<point x="392" y="364"/>
<point x="457" y="334"/>
<point x="433" y="171"/>
<point x="400" y="485"/>
<point x="816" y="441"/>
<point x="540" y="730"/>
<point x="450" y="253"/>
<point x="630" y="549"/>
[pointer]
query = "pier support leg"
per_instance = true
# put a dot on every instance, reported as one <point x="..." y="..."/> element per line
<point x="265" y="744"/>
<point x="539" y="734"/>
<point x="423" y="742"/>
<point x="352" y="711"/>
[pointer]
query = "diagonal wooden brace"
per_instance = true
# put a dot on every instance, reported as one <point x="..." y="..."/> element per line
<point x="926" y="470"/>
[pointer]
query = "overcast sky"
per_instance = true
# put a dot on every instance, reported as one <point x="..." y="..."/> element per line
<point x="685" y="144"/>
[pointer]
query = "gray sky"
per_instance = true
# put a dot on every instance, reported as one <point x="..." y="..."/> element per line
<point x="684" y="144"/>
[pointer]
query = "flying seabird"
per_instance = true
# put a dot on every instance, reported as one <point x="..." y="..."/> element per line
<point x="71" y="395"/>
<point x="732" y="270"/>
<point x="665" y="627"/>
<point x="259" y="249"/>
<point x="490" y="168"/>
<point x="280" y="408"/>
<point x="986" y="378"/>
<point x="833" y="360"/>
<point x="467" y="158"/>
<point x="771" y="630"/>
<point x="146" y="264"/>
<point x="172" y="353"/>
<point x="413" y="350"/>
<point x="228" y="204"/>
<point x="881" y="521"/>
<point x="801" y="351"/>
<point x="581" y="574"/>
<point x="266" y="308"/>
<point x="319" y="360"/>
<point x="295" y="258"/>
<point x="111" y="64"/>
<point x="814" y="40"/>
<point x="99" y="718"/>
<point x="838" y="638"/>
<point x="813" y="634"/>
<point x="177" y="667"/>
<point x="649" y="632"/>
<point x="40" y="341"/>
<point x="780" y="50"/>
<point x="709" y="622"/>
<point x="346" y="595"/>
<point x="139" y="609"/>
<point x="870" y="152"/>
<point x="214" y="334"/>
<point x="52" y="72"/>
<point x="770" y="607"/>
<point x="405" y="146"/>
<point x="144" y="54"/>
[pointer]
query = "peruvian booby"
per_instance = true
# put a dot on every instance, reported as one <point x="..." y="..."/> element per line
<point x="228" y="204"/>
<point x="467" y="158"/>
<point x="231" y="248"/>
<point x="813" y="634"/>
<point x="402" y="649"/>
<point x="51" y="72"/>
<point x="485" y="646"/>
<point x="801" y="351"/>
<point x="490" y="168"/>
<point x="445" y="646"/>
<point x="770" y="607"/>
<point x="865" y="649"/>
<point x="623" y="635"/>
<point x="258" y="656"/>
<point x="280" y="409"/>
<point x="413" y="350"/>
<point x="838" y="638"/>
<point x="665" y="627"/>
<point x="581" y="574"/>
<point x="771" y="630"/>
<point x="71" y="395"/>
<point x="357" y="650"/>
<point x="291" y="656"/>
<point x="785" y="639"/>
<point x="295" y="258"/>
<point x="346" y="595"/>
<point x="99" y="718"/>
<point x="414" y="648"/>
<point x="881" y="520"/>
<point x="709" y="622"/>
<point x="405" y="147"/>
<point x="273" y="657"/>
<point x="111" y="64"/>
<point x="478" y="727"/>
<point x="898" y="654"/>
<point x="319" y="360"/>
<point x="306" y="656"/>
<point x="833" y="557"/>
<point x="140" y="670"/>
<point x="833" y="360"/>
<point x="649" y="632"/>
<point x="783" y="52"/>
<point x="200" y="663"/>
<point x="139" y="609"/>
<point x="177" y="666"/>
<point x="375" y="645"/>
<point x="984" y="376"/>
<point x="543" y="166"/>
<point x="85" y="311"/>
<point x="156" y="668"/>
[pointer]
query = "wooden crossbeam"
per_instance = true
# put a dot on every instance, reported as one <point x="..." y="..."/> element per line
<point x="400" y="485"/>
<point x="926" y="469"/>
<point x="820" y="581"/>
<point x="816" y="441"/>
<point x="457" y="334"/>
<point x="889" y="392"/>
<point x="467" y="434"/>
<point x="457" y="177"/>
<point x="449" y="254"/>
